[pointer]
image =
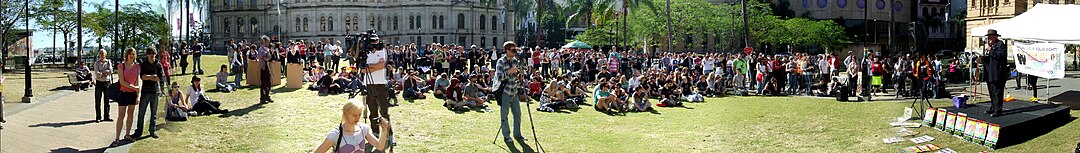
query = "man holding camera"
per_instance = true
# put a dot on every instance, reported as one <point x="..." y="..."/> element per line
<point x="377" y="96"/>
<point x="507" y="84"/>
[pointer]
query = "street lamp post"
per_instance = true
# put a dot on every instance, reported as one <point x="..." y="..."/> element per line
<point x="79" y="29"/>
<point x="28" y="96"/>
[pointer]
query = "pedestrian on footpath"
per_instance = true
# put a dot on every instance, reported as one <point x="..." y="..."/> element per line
<point x="103" y="79"/>
<point x="130" y="86"/>
<point x="2" y="98"/>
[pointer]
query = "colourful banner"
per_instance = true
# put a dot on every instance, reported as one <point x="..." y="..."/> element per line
<point x="1040" y="59"/>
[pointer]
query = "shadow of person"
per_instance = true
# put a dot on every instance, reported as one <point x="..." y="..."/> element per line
<point x="511" y="147"/>
<point x="62" y="124"/>
<point x="242" y="111"/>
<point x="525" y="146"/>
<point x="73" y="150"/>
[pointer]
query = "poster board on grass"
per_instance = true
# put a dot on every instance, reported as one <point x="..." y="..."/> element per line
<point x="958" y="129"/>
<point x="928" y="117"/>
<point x="969" y="129"/>
<point x="980" y="132"/>
<point x="950" y="122"/>
<point x="992" y="132"/>
<point x="939" y="121"/>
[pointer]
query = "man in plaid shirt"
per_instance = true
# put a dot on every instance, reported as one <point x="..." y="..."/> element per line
<point x="507" y="83"/>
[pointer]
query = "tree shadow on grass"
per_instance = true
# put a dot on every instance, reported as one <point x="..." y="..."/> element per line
<point x="242" y="111"/>
<point x="73" y="150"/>
<point x="63" y="124"/>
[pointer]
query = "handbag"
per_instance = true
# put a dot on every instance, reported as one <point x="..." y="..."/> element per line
<point x="113" y="91"/>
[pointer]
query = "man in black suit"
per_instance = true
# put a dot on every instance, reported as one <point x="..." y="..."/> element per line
<point x="996" y="71"/>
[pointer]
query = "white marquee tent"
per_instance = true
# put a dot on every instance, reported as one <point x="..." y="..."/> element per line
<point x="1045" y="22"/>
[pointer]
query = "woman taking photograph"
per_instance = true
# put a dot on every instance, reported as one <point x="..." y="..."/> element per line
<point x="130" y="85"/>
<point x="355" y="135"/>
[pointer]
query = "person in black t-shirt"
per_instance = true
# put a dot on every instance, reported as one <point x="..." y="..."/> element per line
<point x="196" y="57"/>
<point x="151" y="74"/>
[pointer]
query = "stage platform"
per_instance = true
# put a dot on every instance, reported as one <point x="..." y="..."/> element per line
<point x="1020" y="121"/>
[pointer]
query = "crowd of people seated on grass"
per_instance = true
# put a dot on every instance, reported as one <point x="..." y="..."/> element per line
<point x="619" y="80"/>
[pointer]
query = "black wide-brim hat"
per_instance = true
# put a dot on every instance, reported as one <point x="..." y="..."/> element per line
<point x="992" y="32"/>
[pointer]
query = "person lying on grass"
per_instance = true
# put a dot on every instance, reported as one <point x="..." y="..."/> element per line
<point x="350" y="136"/>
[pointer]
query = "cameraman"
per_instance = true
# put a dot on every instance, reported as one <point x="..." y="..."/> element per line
<point x="507" y="83"/>
<point x="377" y="97"/>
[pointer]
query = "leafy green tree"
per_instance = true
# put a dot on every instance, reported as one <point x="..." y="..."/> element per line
<point x="59" y="15"/>
<point x="11" y="17"/>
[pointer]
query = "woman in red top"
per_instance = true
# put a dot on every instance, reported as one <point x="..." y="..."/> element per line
<point x="130" y="86"/>
<point x="877" y="70"/>
<point x="536" y="88"/>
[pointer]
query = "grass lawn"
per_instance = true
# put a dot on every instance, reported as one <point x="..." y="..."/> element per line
<point x="300" y="120"/>
<point x="44" y="83"/>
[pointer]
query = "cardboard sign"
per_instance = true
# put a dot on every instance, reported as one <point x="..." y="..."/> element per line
<point x="928" y="117"/>
<point x="958" y="129"/>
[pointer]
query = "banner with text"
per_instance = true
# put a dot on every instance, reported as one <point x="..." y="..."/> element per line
<point x="1040" y="59"/>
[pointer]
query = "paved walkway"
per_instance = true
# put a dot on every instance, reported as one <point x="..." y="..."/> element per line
<point x="62" y="122"/>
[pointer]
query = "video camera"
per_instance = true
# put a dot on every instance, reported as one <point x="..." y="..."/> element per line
<point x="362" y="44"/>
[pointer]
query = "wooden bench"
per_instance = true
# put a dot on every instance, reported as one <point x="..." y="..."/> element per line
<point x="75" y="83"/>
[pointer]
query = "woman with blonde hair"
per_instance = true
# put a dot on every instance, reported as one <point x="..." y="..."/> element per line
<point x="355" y="135"/>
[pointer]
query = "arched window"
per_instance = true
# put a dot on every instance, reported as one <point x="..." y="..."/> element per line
<point x="412" y="22"/>
<point x="442" y="23"/>
<point x="306" y="24"/>
<point x="226" y="25"/>
<point x="322" y="23"/>
<point x="396" y="22"/>
<point x="254" y="25"/>
<point x="348" y="24"/>
<point x="482" y="21"/>
<point x="494" y="23"/>
<point x="461" y="21"/>
<point x="240" y="25"/>
<point x="434" y="22"/>
<point x="330" y="23"/>
<point x="418" y="22"/>
<point x="356" y="22"/>
<point x="378" y="23"/>
<point x="298" y="24"/>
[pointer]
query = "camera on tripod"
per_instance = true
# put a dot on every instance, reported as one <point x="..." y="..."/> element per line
<point x="362" y="44"/>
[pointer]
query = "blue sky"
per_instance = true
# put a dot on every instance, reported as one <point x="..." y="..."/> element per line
<point x="43" y="38"/>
